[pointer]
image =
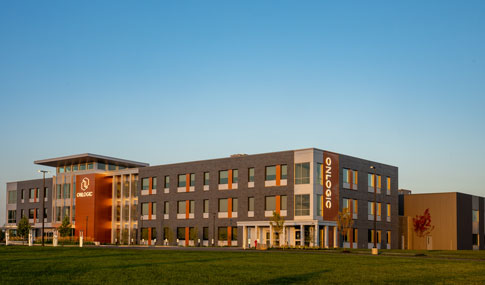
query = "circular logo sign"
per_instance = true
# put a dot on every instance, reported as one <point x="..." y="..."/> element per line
<point x="85" y="184"/>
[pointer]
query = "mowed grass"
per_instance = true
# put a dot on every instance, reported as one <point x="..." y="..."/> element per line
<point x="21" y="264"/>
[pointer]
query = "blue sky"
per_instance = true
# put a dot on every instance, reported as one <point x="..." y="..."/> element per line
<point x="400" y="82"/>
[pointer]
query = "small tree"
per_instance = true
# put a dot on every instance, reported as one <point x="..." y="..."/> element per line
<point x="422" y="224"/>
<point x="277" y="222"/>
<point x="65" y="228"/>
<point x="24" y="228"/>
<point x="345" y="223"/>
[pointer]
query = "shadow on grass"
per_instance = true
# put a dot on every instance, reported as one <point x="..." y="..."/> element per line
<point x="304" y="277"/>
<point x="128" y="266"/>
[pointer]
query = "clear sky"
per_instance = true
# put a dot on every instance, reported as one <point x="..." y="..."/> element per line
<point x="399" y="82"/>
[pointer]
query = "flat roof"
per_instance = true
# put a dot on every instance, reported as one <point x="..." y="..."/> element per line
<point x="89" y="157"/>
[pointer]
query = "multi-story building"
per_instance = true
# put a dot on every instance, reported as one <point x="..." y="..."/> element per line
<point x="228" y="201"/>
<point x="456" y="221"/>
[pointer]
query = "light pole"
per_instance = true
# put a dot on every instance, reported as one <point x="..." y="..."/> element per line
<point x="375" y="206"/>
<point x="43" y="201"/>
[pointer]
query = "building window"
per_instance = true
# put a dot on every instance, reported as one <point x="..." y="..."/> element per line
<point x="154" y="208"/>
<point x="192" y="179"/>
<point x="166" y="207"/>
<point x="388" y="183"/>
<point x="251" y="204"/>
<point x="22" y="213"/>
<point x="191" y="206"/>
<point x="223" y="177"/>
<point x="12" y="197"/>
<point x="90" y="165"/>
<point x="101" y="166"/>
<point x="22" y="194"/>
<point x="58" y="191"/>
<point x="270" y="203"/>
<point x="46" y="190"/>
<point x="370" y="236"/>
<point x="379" y="210"/>
<point x="32" y="193"/>
<point x="370" y="208"/>
<point x="181" y="233"/>
<point x="82" y="166"/>
<point x="251" y="174"/>
<point x="388" y="210"/>
<point x="145" y="183"/>
<point x="206" y="178"/>
<point x="31" y="213"/>
<point x="475" y="216"/>
<point x="302" y="205"/>
<point x="388" y="237"/>
<point x="284" y="171"/>
<point x="347" y="173"/>
<point x="222" y="233"/>
<point x="181" y="207"/>
<point x="284" y="202"/>
<point x="205" y="233"/>
<point x="60" y="169"/>
<point x="12" y="216"/>
<point x="206" y="206"/>
<point x="58" y="213"/>
<point x="68" y="168"/>
<point x="67" y="190"/>
<point x="154" y="183"/>
<point x="270" y="173"/>
<point x="223" y="205"/>
<point x="234" y="233"/>
<point x="144" y="209"/>
<point x="302" y="173"/>
<point x="234" y="204"/>
<point x="182" y="180"/>
<point x="235" y="175"/>
<point x="167" y="182"/>
<point x="371" y="180"/>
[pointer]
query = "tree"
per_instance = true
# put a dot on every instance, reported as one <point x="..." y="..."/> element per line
<point x="277" y="222"/>
<point x="65" y="228"/>
<point x="422" y="224"/>
<point x="345" y="223"/>
<point x="24" y="228"/>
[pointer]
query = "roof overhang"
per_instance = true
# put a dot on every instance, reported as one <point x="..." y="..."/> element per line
<point x="89" y="157"/>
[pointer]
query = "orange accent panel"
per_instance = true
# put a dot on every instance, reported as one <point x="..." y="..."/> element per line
<point x="229" y="236"/>
<point x="278" y="204"/>
<point x="187" y="236"/>
<point x="187" y="182"/>
<point x="229" y="179"/>
<point x="229" y="207"/>
<point x="278" y="175"/>
<point x="35" y="194"/>
<point x="150" y="236"/>
<point x="149" y="211"/>
<point x="351" y="178"/>
<point x="35" y="215"/>
<point x="150" y="185"/>
<point x="187" y="209"/>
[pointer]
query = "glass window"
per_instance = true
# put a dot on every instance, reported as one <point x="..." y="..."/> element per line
<point x="192" y="179"/>
<point x="75" y="167"/>
<point x="284" y="171"/>
<point x="181" y="207"/>
<point x="222" y="233"/>
<point x="192" y="206"/>
<point x="58" y="191"/>
<point x="82" y="166"/>
<point x="223" y="205"/>
<point x="284" y="203"/>
<point x="320" y="173"/>
<point x="346" y="203"/>
<point x="166" y="207"/>
<point x="90" y="165"/>
<point x="181" y="233"/>
<point x="302" y="173"/>
<point x="73" y="213"/>
<point x="182" y="180"/>
<point x="251" y="174"/>
<point x="370" y="208"/>
<point x="145" y="183"/>
<point x="206" y="178"/>
<point x="101" y="166"/>
<point x="223" y="177"/>
<point x="475" y="216"/>
<point x="379" y="210"/>
<point x="167" y="182"/>
<point x="205" y="233"/>
<point x="68" y="168"/>
<point x="475" y="241"/>
<point x="144" y="209"/>
<point x="302" y="205"/>
<point x="154" y="208"/>
<point x="22" y="194"/>
<point x="270" y="204"/>
<point x="12" y="197"/>
<point x="61" y="169"/>
<point x="234" y="204"/>
<point x="67" y="190"/>
<point x="235" y="174"/>
<point x="111" y="167"/>
<point x="388" y="183"/>
<point x="270" y="173"/>
<point x="206" y="206"/>
<point x="388" y="210"/>
<point x="154" y="183"/>
<point x="234" y="233"/>
<point x="251" y="204"/>
<point x="31" y="213"/>
<point x="32" y="193"/>
<point x="12" y="216"/>
<point x="346" y="175"/>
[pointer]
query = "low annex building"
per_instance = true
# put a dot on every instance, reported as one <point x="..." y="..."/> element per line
<point x="226" y="202"/>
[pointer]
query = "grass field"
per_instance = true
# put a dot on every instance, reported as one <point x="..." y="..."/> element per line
<point x="21" y="264"/>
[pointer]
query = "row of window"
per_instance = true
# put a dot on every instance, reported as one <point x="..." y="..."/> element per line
<point x="32" y="213"/>
<point x="89" y="166"/>
<point x="370" y="236"/>
<point x="31" y="193"/>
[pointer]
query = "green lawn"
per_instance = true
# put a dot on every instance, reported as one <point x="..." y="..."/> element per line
<point x="20" y="264"/>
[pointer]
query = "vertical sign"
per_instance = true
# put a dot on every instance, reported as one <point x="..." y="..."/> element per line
<point x="330" y="186"/>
